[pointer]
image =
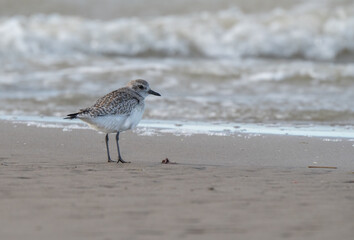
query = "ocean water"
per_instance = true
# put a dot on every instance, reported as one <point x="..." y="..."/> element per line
<point x="244" y="61"/>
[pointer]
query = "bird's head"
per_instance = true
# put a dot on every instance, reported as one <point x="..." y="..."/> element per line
<point x="142" y="87"/>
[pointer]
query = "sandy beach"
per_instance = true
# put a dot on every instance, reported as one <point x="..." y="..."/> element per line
<point x="57" y="185"/>
<point x="256" y="116"/>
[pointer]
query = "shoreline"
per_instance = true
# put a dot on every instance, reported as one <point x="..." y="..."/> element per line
<point x="155" y="127"/>
<point x="183" y="147"/>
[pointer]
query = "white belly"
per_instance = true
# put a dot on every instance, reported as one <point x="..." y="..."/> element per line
<point x="115" y="123"/>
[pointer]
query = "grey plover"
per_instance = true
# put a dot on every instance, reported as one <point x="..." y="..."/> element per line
<point x="117" y="111"/>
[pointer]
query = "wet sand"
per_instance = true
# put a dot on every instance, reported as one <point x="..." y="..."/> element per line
<point x="58" y="185"/>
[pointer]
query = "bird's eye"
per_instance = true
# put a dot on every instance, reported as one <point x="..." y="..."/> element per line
<point x="141" y="87"/>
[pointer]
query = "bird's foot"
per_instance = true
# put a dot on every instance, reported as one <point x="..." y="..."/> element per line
<point x="122" y="161"/>
<point x="110" y="160"/>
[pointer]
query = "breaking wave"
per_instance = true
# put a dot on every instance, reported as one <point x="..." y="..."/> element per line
<point x="308" y="31"/>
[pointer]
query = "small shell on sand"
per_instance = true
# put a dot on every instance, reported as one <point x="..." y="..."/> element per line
<point x="167" y="161"/>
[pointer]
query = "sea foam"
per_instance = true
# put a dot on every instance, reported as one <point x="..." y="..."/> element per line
<point x="310" y="31"/>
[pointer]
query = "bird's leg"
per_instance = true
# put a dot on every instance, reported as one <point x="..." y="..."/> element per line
<point x="120" y="159"/>
<point x="109" y="157"/>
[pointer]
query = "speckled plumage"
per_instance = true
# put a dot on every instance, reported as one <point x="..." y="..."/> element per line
<point x="117" y="111"/>
<point x="118" y="102"/>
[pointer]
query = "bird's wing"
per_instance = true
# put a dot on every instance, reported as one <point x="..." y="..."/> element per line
<point x="117" y="102"/>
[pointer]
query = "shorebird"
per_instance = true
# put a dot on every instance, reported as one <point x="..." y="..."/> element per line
<point x="117" y="111"/>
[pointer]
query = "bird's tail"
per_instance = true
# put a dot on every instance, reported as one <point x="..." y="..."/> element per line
<point x="72" y="115"/>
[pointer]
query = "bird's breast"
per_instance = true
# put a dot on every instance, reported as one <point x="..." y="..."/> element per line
<point x="134" y="117"/>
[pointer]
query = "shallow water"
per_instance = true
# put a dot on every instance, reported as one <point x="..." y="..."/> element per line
<point x="235" y="61"/>
<point x="333" y="133"/>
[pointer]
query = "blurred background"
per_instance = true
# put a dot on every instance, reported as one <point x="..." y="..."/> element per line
<point x="212" y="60"/>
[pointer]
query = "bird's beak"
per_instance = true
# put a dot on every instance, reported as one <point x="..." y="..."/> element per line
<point x="154" y="93"/>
